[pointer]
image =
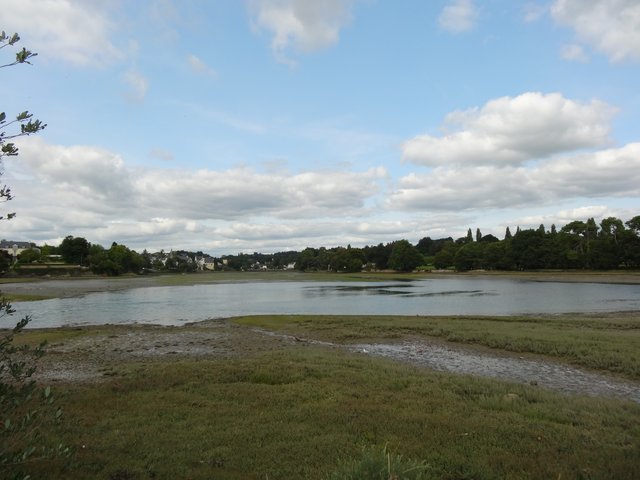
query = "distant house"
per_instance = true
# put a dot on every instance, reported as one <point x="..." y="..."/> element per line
<point x="16" y="248"/>
<point x="206" y="262"/>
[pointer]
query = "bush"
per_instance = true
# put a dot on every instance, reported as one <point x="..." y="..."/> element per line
<point x="24" y="406"/>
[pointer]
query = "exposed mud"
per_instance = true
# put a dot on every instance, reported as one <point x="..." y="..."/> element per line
<point x="94" y="357"/>
<point x="543" y="373"/>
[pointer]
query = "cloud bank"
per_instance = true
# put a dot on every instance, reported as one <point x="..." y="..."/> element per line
<point x="513" y="152"/>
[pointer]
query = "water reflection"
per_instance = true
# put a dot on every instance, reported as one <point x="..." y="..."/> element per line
<point x="353" y="289"/>
<point x="385" y="289"/>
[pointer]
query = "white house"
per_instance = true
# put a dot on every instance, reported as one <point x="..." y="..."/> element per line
<point x="16" y="248"/>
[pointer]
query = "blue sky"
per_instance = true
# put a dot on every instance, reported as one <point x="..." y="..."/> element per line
<point x="267" y="125"/>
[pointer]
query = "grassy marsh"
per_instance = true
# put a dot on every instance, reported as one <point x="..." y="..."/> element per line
<point x="297" y="413"/>
<point x="258" y="407"/>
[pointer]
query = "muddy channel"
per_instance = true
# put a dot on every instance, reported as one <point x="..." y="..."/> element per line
<point x="545" y="374"/>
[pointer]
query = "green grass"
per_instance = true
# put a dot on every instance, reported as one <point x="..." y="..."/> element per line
<point x="307" y="412"/>
<point x="20" y="297"/>
<point x="608" y="342"/>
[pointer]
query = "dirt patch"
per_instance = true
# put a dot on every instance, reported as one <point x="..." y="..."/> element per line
<point x="93" y="357"/>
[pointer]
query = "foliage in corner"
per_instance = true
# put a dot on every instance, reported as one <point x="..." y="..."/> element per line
<point x="24" y="407"/>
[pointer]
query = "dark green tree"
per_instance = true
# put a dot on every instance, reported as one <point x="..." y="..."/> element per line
<point x="489" y="238"/>
<point x="75" y="250"/>
<point x="469" y="257"/>
<point x="346" y="260"/>
<point x="526" y="250"/>
<point x="507" y="234"/>
<point x="634" y="224"/>
<point x="444" y="258"/>
<point x="378" y="256"/>
<point x="31" y="255"/>
<point x="496" y="256"/>
<point x="630" y="240"/>
<point x="404" y="256"/>
<point x="307" y="260"/>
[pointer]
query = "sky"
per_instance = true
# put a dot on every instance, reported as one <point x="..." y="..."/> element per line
<point x="229" y="126"/>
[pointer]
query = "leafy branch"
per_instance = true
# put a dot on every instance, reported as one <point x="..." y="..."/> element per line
<point x="22" y="56"/>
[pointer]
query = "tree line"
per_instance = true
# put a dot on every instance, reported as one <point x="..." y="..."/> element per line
<point x="612" y="244"/>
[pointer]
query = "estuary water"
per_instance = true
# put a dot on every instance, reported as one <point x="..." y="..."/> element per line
<point x="177" y="305"/>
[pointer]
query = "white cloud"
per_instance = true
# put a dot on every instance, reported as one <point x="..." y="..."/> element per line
<point x="613" y="172"/>
<point x="85" y="172"/>
<point x="607" y="173"/>
<point x="199" y="67"/>
<point x="91" y="192"/>
<point x="574" y="53"/>
<point x="563" y="217"/>
<point x="513" y="130"/>
<point x="464" y="189"/>
<point x="584" y="213"/>
<point x="329" y="233"/>
<point x="245" y="193"/>
<point x="458" y="16"/>
<point x="610" y="26"/>
<point x="138" y="86"/>
<point x="74" y="31"/>
<point x="300" y="24"/>
<point x="88" y="191"/>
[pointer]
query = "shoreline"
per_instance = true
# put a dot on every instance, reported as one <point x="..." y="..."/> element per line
<point x="65" y="287"/>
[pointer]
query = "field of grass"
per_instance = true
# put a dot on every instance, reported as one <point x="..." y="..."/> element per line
<point x="309" y="412"/>
<point x="299" y="413"/>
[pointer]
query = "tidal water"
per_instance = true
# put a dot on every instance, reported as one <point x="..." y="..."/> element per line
<point x="177" y="305"/>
